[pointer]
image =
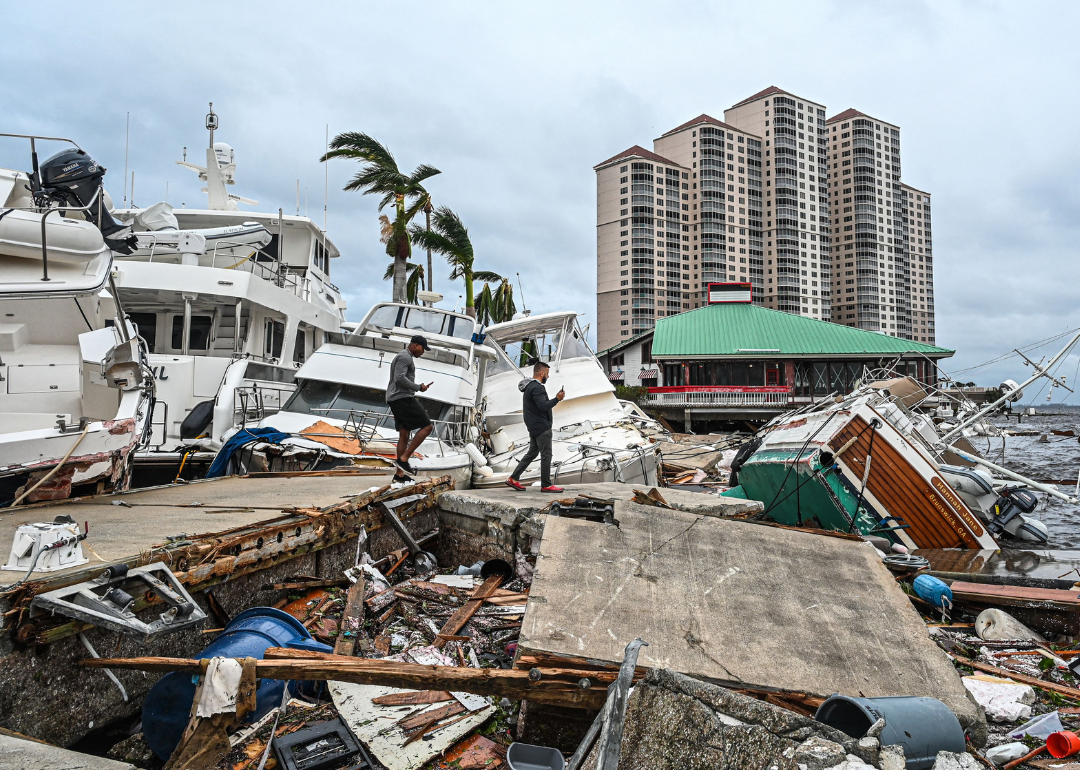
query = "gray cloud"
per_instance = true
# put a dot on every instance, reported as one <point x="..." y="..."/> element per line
<point x="516" y="102"/>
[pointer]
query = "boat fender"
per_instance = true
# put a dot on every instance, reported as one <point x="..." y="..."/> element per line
<point x="746" y="451"/>
<point x="930" y="589"/>
<point x="198" y="420"/>
<point x="477" y="456"/>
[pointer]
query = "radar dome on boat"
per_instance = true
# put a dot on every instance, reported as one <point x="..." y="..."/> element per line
<point x="225" y="153"/>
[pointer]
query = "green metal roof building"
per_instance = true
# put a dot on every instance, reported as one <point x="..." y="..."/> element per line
<point x="736" y="360"/>
<point x="743" y="329"/>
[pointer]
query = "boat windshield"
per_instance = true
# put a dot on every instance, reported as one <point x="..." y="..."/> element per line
<point x="424" y="320"/>
<point x="331" y="399"/>
<point x="550" y="345"/>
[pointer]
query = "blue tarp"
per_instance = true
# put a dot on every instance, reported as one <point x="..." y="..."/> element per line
<point x="242" y="438"/>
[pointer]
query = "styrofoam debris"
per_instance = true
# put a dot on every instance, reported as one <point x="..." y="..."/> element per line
<point x="1001" y="699"/>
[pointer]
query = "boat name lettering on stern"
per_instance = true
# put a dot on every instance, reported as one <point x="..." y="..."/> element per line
<point x="956" y="503"/>
<point x="947" y="514"/>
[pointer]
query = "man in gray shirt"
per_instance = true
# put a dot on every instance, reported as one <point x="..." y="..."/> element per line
<point x="409" y="413"/>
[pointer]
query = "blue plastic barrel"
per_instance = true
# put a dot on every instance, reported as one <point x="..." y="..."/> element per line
<point x="167" y="707"/>
<point x="923" y="726"/>
<point x="930" y="589"/>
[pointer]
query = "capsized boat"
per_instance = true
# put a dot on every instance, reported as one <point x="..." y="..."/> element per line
<point x="76" y="392"/>
<point x="230" y="303"/>
<point x="338" y="414"/>
<point x="871" y="463"/>
<point x="596" y="437"/>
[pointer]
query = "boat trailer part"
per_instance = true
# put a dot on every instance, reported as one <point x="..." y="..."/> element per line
<point x="422" y="560"/>
<point x="108" y="601"/>
<point x="588" y="508"/>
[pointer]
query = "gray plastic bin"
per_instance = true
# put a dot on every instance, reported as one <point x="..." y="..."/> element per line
<point x="923" y="726"/>
<point x="524" y="756"/>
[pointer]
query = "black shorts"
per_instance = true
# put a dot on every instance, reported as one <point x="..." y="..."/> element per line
<point x="409" y="413"/>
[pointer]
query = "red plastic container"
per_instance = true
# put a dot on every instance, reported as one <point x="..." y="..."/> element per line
<point x="1063" y="744"/>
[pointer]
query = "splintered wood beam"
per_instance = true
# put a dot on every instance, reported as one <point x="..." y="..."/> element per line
<point x="559" y="687"/>
<point x="352" y="618"/>
<point x="461" y="616"/>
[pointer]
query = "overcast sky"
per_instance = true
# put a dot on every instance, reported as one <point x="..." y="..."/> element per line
<point x="516" y="102"/>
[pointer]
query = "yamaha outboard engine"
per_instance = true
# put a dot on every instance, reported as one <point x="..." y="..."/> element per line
<point x="1010" y="516"/>
<point x="73" y="178"/>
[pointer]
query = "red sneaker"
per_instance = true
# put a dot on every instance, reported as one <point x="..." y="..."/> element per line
<point x="553" y="488"/>
<point x="514" y="484"/>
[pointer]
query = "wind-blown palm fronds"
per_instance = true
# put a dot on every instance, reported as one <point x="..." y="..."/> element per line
<point x="413" y="284"/>
<point x="379" y="175"/>
<point x="449" y="237"/>
<point x="495" y="307"/>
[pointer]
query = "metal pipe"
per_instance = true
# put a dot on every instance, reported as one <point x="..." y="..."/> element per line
<point x="1040" y="371"/>
<point x="1016" y="476"/>
<point x="185" y="343"/>
<point x="121" y="316"/>
<point x="45" y="246"/>
<point x="236" y="328"/>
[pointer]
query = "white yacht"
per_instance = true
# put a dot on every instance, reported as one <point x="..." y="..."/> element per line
<point x="230" y="304"/>
<point x="338" y="415"/>
<point x="596" y="437"/>
<point x="75" y="388"/>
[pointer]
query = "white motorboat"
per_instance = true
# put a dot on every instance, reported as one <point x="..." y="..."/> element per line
<point x="76" y="389"/>
<point x="230" y="303"/>
<point x="596" y="437"/>
<point x="338" y="415"/>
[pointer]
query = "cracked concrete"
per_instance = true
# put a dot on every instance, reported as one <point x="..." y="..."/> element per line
<point x="734" y="603"/>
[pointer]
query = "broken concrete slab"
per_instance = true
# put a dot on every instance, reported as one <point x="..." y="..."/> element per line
<point x="495" y="523"/>
<point x="506" y="502"/>
<point x="679" y="723"/>
<point x="22" y="754"/>
<point x="734" y="603"/>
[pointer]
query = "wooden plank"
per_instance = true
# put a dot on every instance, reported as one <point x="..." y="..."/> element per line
<point x="1016" y="596"/>
<point x="555" y="687"/>
<point x="412" y="698"/>
<point x="431" y="715"/>
<point x="458" y="620"/>
<point x="352" y="619"/>
<point x="1061" y="689"/>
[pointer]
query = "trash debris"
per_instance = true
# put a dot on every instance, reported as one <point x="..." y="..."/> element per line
<point x="998" y="625"/>
<point x="1001" y="699"/>
<point x="1039" y="727"/>
<point x="1007" y="752"/>
<point x="922" y="726"/>
<point x="1063" y="744"/>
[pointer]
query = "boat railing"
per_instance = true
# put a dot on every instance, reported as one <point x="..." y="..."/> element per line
<point x="278" y="273"/>
<point x="252" y="403"/>
<point x="689" y="397"/>
<point x="363" y="426"/>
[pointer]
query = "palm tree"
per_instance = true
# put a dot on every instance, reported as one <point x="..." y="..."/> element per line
<point x="449" y="236"/>
<point x="495" y="307"/>
<point x="414" y="283"/>
<point x="379" y="174"/>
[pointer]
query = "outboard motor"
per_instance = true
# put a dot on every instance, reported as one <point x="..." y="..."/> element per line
<point x="73" y="178"/>
<point x="1010" y="510"/>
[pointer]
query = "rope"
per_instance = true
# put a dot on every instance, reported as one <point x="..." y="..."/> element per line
<point x="57" y="467"/>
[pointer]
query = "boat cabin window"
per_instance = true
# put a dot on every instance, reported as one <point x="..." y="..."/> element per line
<point x="199" y="336"/>
<point x="300" y="347"/>
<point x="330" y="399"/>
<point x="421" y="320"/>
<point x="273" y="338"/>
<point x="322" y="259"/>
<point x="146" y="326"/>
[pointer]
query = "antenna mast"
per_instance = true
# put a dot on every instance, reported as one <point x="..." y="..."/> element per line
<point x="127" y="138"/>
<point x="211" y="124"/>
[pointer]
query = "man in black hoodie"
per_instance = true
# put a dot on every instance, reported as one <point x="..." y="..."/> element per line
<point x="536" y="408"/>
